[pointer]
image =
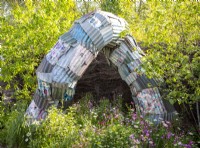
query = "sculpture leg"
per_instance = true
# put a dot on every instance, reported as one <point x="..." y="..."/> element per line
<point x="63" y="66"/>
<point x="57" y="82"/>
<point x="145" y="93"/>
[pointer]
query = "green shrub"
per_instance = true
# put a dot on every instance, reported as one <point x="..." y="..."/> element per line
<point x="28" y="32"/>
<point x="115" y="135"/>
<point x="4" y="115"/>
<point x="15" y="129"/>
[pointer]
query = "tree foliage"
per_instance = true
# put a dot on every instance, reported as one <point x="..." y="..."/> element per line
<point x="168" y="31"/>
<point x="27" y="33"/>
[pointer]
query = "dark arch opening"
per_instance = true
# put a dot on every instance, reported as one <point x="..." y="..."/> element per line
<point x="103" y="81"/>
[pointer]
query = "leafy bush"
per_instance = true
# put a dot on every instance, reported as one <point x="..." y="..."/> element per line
<point x="28" y="31"/>
<point x="114" y="135"/>
<point x="13" y="128"/>
<point x="4" y="115"/>
<point x="58" y="130"/>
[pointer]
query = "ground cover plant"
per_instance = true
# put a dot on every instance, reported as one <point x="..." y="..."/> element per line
<point x="91" y="124"/>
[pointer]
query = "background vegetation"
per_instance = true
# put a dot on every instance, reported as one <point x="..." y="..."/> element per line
<point x="168" y="31"/>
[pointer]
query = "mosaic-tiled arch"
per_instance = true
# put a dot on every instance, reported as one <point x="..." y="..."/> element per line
<point x="66" y="62"/>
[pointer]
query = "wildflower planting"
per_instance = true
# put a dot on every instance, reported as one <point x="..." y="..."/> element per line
<point x="91" y="124"/>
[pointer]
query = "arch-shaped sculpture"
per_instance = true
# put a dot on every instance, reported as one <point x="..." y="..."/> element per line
<point x="66" y="62"/>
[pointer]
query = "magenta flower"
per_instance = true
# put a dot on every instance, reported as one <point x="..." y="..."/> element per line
<point x="146" y="132"/>
<point x="191" y="142"/>
<point x="169" y="135"/>
<point x="142" y="122"/>
<point x="134" y="116"/>
<point x="187" y="145"/>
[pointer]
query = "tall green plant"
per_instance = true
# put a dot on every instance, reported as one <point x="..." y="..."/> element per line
<point x="27" y="33"/>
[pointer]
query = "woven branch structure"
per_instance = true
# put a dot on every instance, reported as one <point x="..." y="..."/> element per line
<point x="94" y="33"/>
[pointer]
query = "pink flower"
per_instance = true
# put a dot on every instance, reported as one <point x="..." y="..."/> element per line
<point x="151" y="142"/>
<point x="131" y="136"/>
<point x="169" y="135"/>
<point x="142" y="122"/>
<point x="142" y="138"/>
<point x="134" y="116"/>
<point x="116" y="116"/>
<point x="164" y="124"/>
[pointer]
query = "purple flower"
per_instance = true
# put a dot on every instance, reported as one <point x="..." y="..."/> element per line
<point x="146" y="132"/>
<point x="134" y="116"/>
<point x="142" y="122"/>
<point x="131" y="136"/>
<point x="186" y="145"/>
<point x="142" y="138"/>
<point x="90" y="104"/>
<point x="169" y="135"/>
<point x="191" y="142"/>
